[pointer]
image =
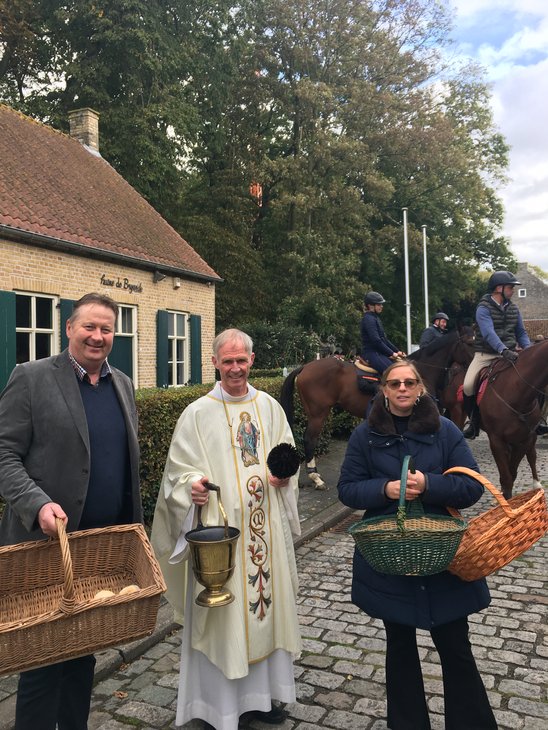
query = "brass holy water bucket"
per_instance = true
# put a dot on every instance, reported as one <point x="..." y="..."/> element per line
<point x="213" y="554"/>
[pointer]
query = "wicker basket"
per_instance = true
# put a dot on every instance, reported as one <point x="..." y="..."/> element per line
<point x="409" y="542"/>
<point x="47" y="608"/>
<point x="501" y="534"/>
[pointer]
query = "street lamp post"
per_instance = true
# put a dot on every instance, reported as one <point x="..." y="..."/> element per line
<point x="426" y="312"/>
<point x="407" y="297"/>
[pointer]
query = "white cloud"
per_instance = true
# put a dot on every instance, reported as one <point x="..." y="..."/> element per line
<point x="509" y="38"/>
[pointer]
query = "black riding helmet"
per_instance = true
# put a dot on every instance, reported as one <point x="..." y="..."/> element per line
<point x="440" y="315"/>
<point x="373" y="297"/>
<point x="501" y="278"/>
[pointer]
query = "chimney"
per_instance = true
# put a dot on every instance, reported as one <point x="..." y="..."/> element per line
<point x="84" y="126"/>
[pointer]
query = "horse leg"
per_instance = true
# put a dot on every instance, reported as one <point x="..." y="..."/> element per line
<point x="531" y="455"/>
<point x="310" y="442"/>
<point x="501" y="454"/>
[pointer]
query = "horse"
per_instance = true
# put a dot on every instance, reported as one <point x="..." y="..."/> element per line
<point x="451" y="396"/>
<point x="323" y="384"/>
<point x="510" y="412"/>
<point x="436" y="362"/>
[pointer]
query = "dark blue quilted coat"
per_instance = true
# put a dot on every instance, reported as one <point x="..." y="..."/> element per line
<point x="374" y="456"/>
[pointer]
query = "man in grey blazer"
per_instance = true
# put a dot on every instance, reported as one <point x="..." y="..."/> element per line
<point x="68" y="449"/>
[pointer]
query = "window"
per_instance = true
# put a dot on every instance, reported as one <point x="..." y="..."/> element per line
<point x="35" y="327"/>
<point x="124" y="350"/>
<point x="178" y="348"/>
<point x="522" y="292"/>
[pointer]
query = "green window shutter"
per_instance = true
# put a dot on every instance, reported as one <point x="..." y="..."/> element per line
<point x="65" y="310"/>
<point x="195" y="349"/>
<point x="7" y="336"/>
<point x="162" y="349"/>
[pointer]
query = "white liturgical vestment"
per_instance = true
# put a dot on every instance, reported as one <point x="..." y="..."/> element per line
<point x="237" y="657"/>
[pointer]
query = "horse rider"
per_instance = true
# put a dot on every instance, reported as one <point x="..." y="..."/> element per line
<point x="376" y="347"/>
<point x="437" y="329"/>
<point x="501" y="329"/>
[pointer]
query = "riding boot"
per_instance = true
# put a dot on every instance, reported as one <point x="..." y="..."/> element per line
<point x="471" y="409"/>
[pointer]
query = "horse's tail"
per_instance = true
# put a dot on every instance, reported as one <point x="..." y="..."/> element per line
<point x="286" y="395"/>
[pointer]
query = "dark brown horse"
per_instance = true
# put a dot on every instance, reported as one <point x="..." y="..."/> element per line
<point x="436" y="362"/>
<point x="510" y="412"/>
<point x="323" y="384"/>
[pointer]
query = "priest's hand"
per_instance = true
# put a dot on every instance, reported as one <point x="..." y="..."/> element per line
<point x="277" y="482"/>
<point x="199" y="492"/>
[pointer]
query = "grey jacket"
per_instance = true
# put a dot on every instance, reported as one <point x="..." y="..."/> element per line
<point x="44" y="445"/>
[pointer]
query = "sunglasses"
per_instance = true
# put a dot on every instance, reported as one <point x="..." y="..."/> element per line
<point x="408" y="383"/>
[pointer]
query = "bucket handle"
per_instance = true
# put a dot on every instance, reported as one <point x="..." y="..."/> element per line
<point x="214" y="488"/>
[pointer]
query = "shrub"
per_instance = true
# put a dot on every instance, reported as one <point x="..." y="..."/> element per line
<point x="159" y="410"/>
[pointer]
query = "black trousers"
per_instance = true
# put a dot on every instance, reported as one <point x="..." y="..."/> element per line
<point x="58" y="695"/>
<point x="466" y="702"/>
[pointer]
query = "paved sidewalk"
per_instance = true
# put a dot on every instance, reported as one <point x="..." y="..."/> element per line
<point x="340" y="676"/>
<point x="318" y="511"/>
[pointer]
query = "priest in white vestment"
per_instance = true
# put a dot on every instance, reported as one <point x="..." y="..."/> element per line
<point x="235" y="658"/>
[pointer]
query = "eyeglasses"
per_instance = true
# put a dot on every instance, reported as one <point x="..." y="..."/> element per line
<point x="408" y="383"/>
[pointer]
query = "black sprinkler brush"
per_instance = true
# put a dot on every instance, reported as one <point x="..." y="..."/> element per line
<point x="283" y="461"/>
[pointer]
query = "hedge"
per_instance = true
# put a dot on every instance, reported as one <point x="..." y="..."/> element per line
<point x="159" y="410"/>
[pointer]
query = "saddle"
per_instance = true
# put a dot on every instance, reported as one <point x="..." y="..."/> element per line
<point x="486" y="375"/>
<point x="368" y="377"/>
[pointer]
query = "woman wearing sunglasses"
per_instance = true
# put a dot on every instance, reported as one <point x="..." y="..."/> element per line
<point x="405" y="420"/>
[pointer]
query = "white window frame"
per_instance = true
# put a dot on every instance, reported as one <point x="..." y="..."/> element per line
<point x="173" y="339"/>
<point x="522" y="293"/>
<point x="119" y="332"/>
<point x="33" y="330"/>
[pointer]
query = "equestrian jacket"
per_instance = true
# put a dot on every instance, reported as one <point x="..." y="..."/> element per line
<point x="430" y="334"/>
<point x="374" y="338"/>
<point x="374" y="456"/>
<point x="507" y="325"/>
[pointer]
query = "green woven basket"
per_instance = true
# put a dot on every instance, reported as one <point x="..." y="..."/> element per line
<point x="409" y="542"/>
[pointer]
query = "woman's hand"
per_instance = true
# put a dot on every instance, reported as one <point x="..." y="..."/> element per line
<point x="416" y="484"/>
<point x="199" y="492"/>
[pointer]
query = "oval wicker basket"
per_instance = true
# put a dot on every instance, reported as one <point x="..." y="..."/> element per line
<point x="501" y="534"/>
<point x="409" y="542"/>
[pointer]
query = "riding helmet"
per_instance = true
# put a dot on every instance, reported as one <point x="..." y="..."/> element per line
<point x="373" y="297"/>
<point x="501" y="278"/>
<point x="440" y="315"/>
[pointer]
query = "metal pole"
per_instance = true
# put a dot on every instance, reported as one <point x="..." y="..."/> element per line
<point x="426" y="312"/>
<point x="407" y="297"/>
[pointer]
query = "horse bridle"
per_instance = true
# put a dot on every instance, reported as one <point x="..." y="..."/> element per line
<point x="522" y="416"/>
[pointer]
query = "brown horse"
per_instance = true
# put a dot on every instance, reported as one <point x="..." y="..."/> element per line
<point x="510" y="412"/>
<point x="322" y="384"/>
<point x="450" y="399"/>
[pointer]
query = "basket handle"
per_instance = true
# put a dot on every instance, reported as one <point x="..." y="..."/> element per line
<point x="407" y="465"/>
<point x="67" y="601"/>
<point x="487" y="484"/>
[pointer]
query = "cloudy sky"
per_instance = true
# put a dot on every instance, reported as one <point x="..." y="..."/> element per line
<point x="509" y="38"/>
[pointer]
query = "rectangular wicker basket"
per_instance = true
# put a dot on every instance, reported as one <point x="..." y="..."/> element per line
<point x="48" y="609"/>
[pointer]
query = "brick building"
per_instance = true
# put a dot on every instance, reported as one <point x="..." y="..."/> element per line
<point x="69" y="224"/>
<point x="532" y="299"/>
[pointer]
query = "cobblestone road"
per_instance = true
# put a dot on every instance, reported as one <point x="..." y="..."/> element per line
<point x="340" y="676"/>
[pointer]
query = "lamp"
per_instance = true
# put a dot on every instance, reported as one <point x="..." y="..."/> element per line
<point x="158" y="276"/>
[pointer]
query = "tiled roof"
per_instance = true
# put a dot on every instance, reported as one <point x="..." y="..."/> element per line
<point x="52" y="186"/>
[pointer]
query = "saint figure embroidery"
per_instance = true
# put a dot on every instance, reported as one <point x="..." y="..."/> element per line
<point x="248" y="437"/>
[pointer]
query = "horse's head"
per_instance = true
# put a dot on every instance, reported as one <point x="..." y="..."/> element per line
<point x="463" y="351"/>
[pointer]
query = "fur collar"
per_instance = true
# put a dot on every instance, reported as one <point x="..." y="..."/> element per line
<point x="425" y="417"/>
